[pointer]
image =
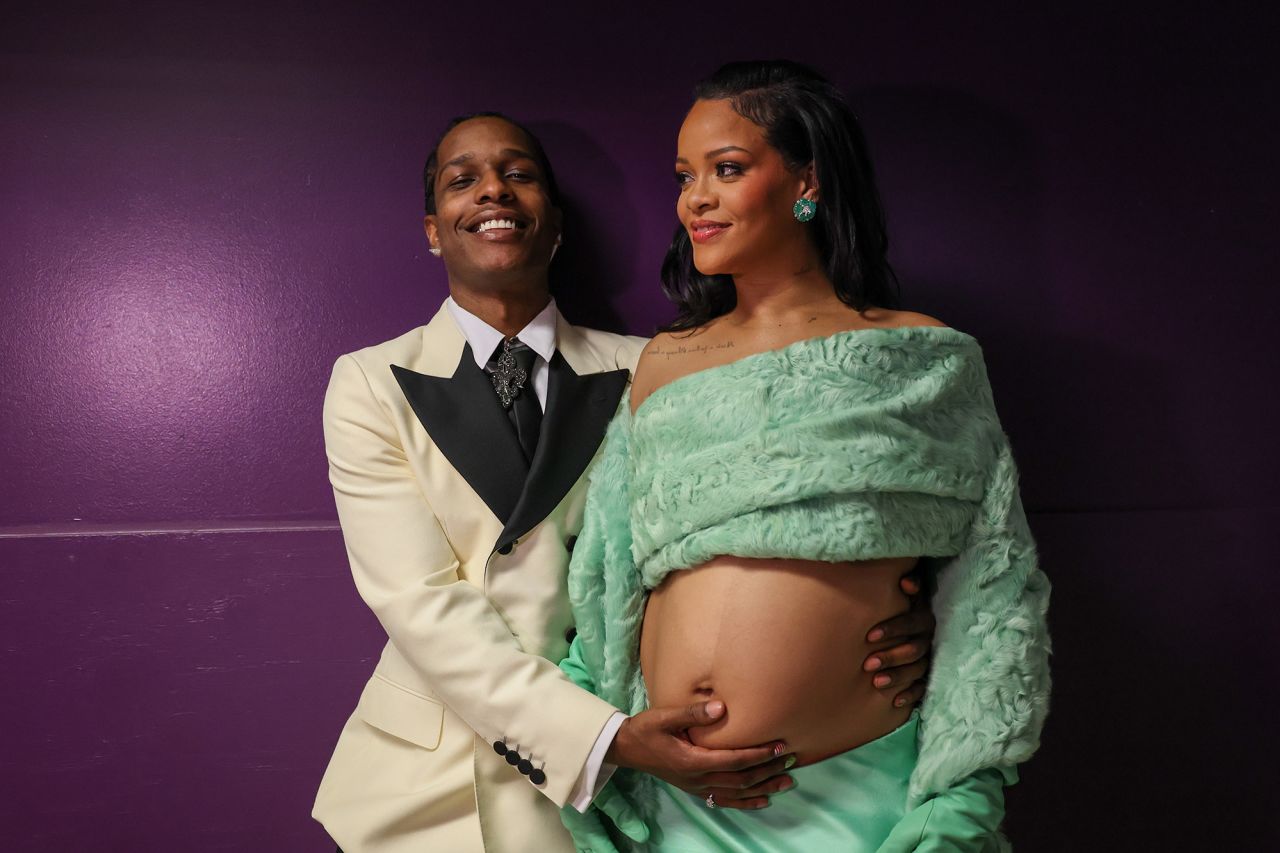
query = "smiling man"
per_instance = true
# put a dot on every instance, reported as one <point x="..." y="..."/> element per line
<point x="458" y="455"/>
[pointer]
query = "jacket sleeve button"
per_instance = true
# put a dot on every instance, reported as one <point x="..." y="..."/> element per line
<point x="513" y="757"/>
<point x="537" y="777"/>
<point x="525" y="766"/>
<point x="499" y="747"/>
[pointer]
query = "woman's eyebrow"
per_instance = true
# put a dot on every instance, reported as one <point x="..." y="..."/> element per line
<point x="717" y="152"/>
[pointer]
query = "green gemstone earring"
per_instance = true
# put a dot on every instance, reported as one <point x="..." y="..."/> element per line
<point x="804" y="209"/>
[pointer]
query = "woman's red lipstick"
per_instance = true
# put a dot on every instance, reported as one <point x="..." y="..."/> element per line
<point x="702" y="230"/>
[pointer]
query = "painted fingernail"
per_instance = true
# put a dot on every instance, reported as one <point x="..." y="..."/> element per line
<point x="779" y="748"/>
<point x="877" y="634"/>
<point x="873" y="664"/>
<point x="787" y="784"/>
<point x="763" y="805"/>
<point x="789" y="763"/>
<point x="881" y="681"/>
<point x="899" y="702"/>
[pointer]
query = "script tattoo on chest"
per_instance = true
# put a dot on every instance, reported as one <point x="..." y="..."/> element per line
<point x="681" y="349"/>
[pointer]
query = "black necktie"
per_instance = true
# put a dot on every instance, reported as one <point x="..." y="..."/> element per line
<point x="511" y="369"/>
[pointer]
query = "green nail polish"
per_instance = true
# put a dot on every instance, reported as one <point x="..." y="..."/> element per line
<point x="789" y="763"/>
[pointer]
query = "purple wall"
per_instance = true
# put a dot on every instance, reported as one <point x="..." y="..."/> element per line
<point x="202" y="210"/>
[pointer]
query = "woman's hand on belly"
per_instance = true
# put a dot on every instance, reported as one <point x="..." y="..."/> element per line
<point x="657" y="742"/>
<point x="903" y="666"/>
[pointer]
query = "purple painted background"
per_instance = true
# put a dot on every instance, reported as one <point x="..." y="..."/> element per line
<point x="202" y="209"/>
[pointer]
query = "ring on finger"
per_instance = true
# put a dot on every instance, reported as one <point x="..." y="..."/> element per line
<point x="711" y="801"/>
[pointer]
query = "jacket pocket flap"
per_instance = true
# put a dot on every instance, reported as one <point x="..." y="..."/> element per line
<point x="400" y="712"/>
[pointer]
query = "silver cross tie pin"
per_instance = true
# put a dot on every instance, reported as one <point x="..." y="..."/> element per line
<point x="508" y="376"/>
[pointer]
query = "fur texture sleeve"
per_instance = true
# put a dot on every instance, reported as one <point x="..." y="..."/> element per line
<point x="988" y="694"/>
<point x="608" y="599"/>
<point x="605" y="590"/>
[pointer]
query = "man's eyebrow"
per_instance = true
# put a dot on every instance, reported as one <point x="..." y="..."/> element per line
<point x="716" y="153"/>
<point x="506" y="152"/>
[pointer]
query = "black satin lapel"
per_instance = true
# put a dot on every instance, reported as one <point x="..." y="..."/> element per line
<point x="465" y="420"/>
<point x="578" y="411"/>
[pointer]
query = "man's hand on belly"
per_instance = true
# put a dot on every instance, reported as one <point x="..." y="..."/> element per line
<point x="656" y="742"/>
<point x="903" y="662"/>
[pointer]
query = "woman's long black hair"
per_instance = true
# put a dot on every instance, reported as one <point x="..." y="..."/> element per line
<point x="806" y="119"/>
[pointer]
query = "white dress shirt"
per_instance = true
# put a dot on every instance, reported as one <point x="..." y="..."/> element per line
<point x="540" y="336"/>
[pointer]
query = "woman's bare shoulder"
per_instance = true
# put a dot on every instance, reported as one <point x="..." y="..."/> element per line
<point x="887" y="318"/>
<point x="657" y="344"/>
<point x="664" y="358"/>
<point x="648" y="368"/>
<point x="652" y="356"/>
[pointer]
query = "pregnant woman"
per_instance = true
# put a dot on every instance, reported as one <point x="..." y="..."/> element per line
<point x="791" y="447"/>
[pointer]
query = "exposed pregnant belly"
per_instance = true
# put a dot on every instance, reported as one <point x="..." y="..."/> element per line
<point x="781" y="643"/>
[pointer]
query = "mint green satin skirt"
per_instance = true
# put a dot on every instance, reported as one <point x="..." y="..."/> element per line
<point x="848" y="803"/>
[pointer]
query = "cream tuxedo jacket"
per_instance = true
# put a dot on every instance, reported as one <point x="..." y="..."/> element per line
<point x="461" y="549"/>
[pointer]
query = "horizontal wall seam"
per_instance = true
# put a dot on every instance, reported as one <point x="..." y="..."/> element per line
<point x="67" y="531"/>
<point x="63" y="530"/>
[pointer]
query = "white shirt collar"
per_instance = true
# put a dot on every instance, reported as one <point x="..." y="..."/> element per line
<point x="539" y="335"/>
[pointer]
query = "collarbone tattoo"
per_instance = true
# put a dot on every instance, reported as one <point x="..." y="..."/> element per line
<point x="685" y="349"/>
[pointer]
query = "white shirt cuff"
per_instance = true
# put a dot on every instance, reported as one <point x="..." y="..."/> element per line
<point x="596" y="774"/>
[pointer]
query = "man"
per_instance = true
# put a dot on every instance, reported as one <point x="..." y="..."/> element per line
<point x="458" y="455"/>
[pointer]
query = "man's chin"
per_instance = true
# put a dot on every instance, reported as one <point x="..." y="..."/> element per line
<point x="502" y="270"/>
<point x="503" y="256"/>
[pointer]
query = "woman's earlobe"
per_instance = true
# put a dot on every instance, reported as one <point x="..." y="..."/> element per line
<point x="806" y="206"/>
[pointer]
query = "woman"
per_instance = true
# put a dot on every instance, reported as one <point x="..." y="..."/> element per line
<point x="790" y="447"/>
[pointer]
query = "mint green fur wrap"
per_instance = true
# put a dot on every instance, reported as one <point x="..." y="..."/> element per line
<point x="863" y="445"/>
